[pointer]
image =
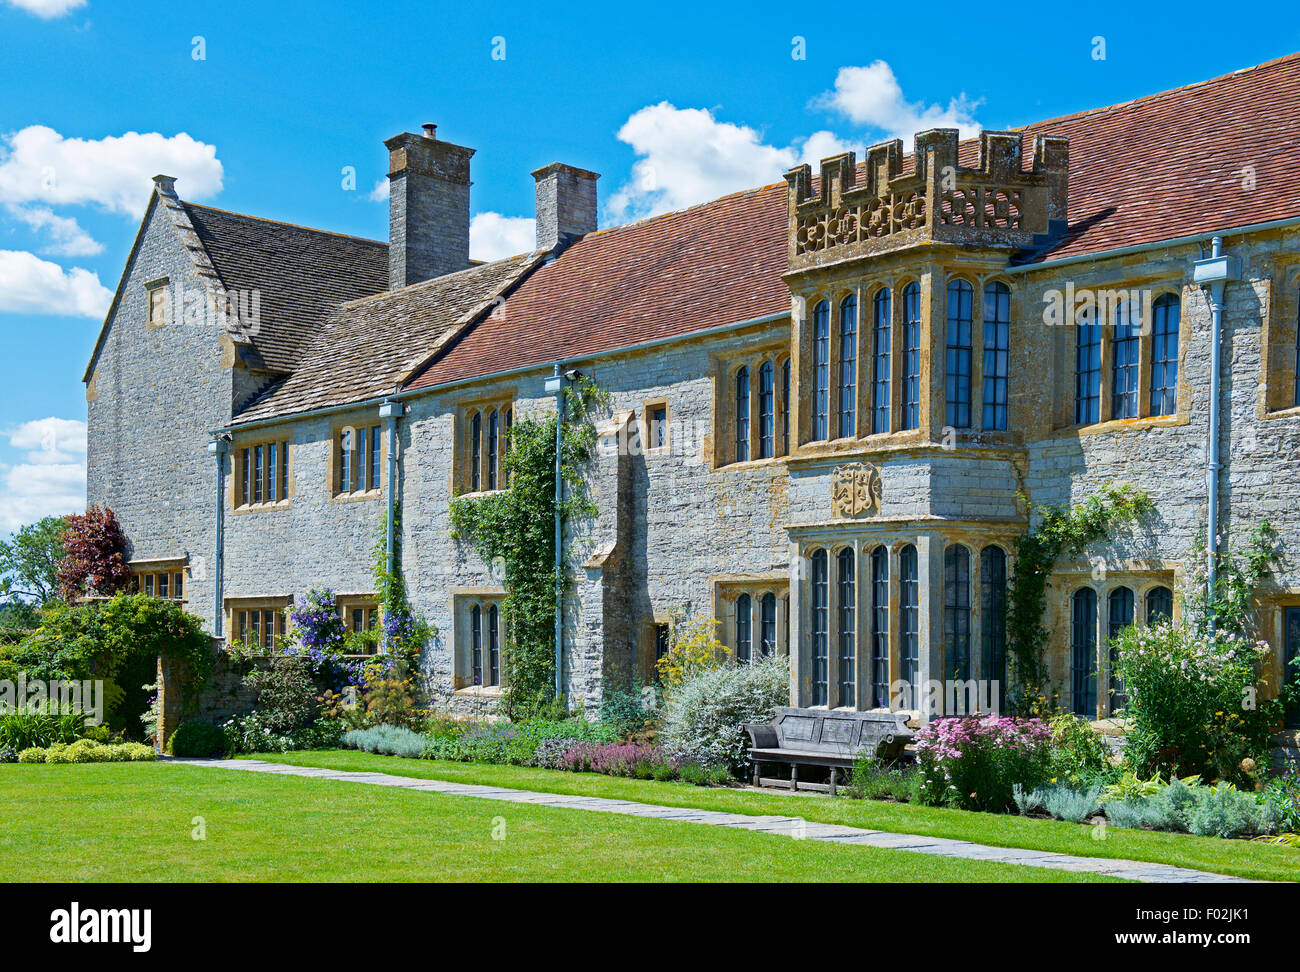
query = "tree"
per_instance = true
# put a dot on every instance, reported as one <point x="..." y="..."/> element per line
<point x="29" y="563"/>
<point x="95" y="558"/>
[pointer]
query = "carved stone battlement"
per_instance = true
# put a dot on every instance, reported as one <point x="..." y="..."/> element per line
<point x="996" y="203"/>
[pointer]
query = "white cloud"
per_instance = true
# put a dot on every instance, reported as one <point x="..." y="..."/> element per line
<point x="381" y="190"/>
<point x="872" y="96"/>
<point x="50" y="441"/>
<point x="30" y="285"/>
<point x="47" y="9"/>
<point x="66" y="237"/>
<point x="31" y="492"/>
<point x="494" y="237"/>
<point x="51" y="479"/>
<point x="687" y="156"/>
<point x="37" y="164"/>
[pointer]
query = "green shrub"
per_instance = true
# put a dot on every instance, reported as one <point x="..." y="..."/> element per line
<point x="387" y="740"/>
<point x="197" y="739"/>
<point x="1027" y="801"/>
<point x="703" y="720"/>
<point x="1129" y="813"/>
<point x="628" y="712"/>
<point x="1225" y="811"/>
<point x="872" y="780"/>
<point x="1079" y="755"/>
<point x="286" y="694"/>
<point x="1064" y="802"/>
<point x="973" y="762"/>
<point x="88" y="751"/>
<point x="24" y="729"/>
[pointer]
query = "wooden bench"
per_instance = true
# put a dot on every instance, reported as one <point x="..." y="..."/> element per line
<point x="818" y="737"/>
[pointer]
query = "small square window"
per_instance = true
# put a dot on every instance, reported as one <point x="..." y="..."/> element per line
<point x="158" y="305"/>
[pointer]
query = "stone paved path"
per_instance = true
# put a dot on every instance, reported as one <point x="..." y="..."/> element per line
<point x="780" y="826"/>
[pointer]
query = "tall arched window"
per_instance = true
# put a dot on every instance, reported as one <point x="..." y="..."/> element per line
<point x="881" y="311"/>
<point x="1164" y="355"/>
<point x="743" y="637"/>
<point x="1119" y="616"/>
<point x="505" y="446"/>
<point x="880" y="628"/>
<point x="494" y="646"/>
<point x="820" y="626"/>
<point x="1160" y="606"/>
<point x="492" y="449"/>
<point x="1087" y="371"/>
<point x="847" y="629"/>
<point x="909" y="623"/>
<point x="821" y="371"/>
<point x="993" y="620"/>
<point x="957" y="354"/>
<point x="742" y="414"/>
<point x="956" y="610"/>
<point x="767" y="631"/>
<point x="997" y="354"/>
<point x="848" y="367"/>
<point x="1083" y="652"/>
<point x="476" y="452"/>
<point x="785" y="407"/>
<point x="912" y="356"/>
<point x="766" y="411"/>
<point x="1124" y="361"/>
<point x="476" y="644"/>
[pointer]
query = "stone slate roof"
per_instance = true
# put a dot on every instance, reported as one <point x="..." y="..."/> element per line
<point x="367" y="347"/>
<point x="300" y="274"/>
<point x="715" y="264"/>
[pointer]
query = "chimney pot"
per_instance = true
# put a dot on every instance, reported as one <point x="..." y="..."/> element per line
<point x="429" y="129"/>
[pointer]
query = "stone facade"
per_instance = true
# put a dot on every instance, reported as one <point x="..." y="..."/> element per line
<point x="877" y="534"/>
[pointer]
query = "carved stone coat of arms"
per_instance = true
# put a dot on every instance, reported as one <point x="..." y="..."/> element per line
<point x="855" y="490"/>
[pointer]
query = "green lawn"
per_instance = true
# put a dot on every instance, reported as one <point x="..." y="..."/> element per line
<point x="1237" y="857"/>
<point x="134" y="822"/>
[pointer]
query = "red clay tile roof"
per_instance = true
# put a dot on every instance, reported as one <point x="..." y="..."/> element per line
<point x="1156" y="168"/>
<point x="711" y="265"/>
<point x="1171" y="164"/>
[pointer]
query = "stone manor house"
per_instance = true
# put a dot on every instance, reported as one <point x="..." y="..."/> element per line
<point x="835" y="399"/>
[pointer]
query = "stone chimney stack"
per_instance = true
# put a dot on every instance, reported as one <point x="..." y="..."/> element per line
<point x="428" y="207"/>
<point x="566" y="204"/>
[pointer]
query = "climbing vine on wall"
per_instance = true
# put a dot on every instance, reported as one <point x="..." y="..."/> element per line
<point x="1060" y="532"/>
<point x="517" y="525"/>
<point x="404" y="634"/>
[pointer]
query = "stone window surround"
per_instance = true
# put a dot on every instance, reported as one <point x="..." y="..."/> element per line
<point x="644" y="430"/>
<point x="727" y="591"/>
<point x="1278" y="366"/>
<point x="725" y="368"/>
<point x="235" y="605"/>
<point x="1272" y="617"/>
<point x="284" y="441"/>
<point x="161" y="284"/>
<point x="894" y="536"/>
<point x="933" y="281"/>
<point x="463" y="600"/>
<point x="646" y="646"/>
<point x="1167" y="283"/>
<point x="171" y="566"/>
<point x="501" y="402"/>
<point x="334" y="462"/>
<point x="1062" y="587"/>
<point x="348" y="603"/>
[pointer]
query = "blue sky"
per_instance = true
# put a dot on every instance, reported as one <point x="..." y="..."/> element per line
<point x="673" y="104"/>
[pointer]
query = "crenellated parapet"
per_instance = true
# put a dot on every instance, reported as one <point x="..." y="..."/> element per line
<point x="996" y="203"/>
